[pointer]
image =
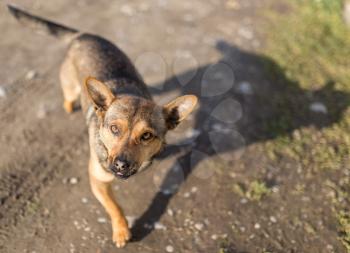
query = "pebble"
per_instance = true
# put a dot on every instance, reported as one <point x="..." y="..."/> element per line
<point x="244" y="201"/>
<point x="84" y="200"/>
<point x="214" y="237"/>
<point x="199" y="226"/>
<point x="31" y="75"/>
<point x="194" y="189"/>
<point x="2" y="92"/>
<point x="318" y="107"/>
<point x="169" y="248"/>
<point x="257" y="226"/>
<point x="159" y="226"/>
<point x="273" y="219"/>
<point x="187" y="195"/>
<point x="170" y="212"/>
<point x="101" y="220"/>
<point x="73" y="180"/>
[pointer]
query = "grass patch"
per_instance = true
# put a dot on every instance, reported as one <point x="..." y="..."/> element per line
<point x="309" y="51"/>
<point x="255" y="190"/>
<point x="344" y="227"/>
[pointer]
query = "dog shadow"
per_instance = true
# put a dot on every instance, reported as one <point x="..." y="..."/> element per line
<point x="261" y="104"/>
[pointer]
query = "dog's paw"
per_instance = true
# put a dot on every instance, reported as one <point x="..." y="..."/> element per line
<point x="68" y="106"/>
<point x="121" y="234"/>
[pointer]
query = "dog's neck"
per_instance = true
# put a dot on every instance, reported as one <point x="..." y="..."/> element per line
<point x="99" y="148"/>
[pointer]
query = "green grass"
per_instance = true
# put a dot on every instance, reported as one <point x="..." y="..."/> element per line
<point x="308" y="52"/>
<point x="344" y="225"/>
<point x="255" y="190"/>
<point x="307" y="55"/>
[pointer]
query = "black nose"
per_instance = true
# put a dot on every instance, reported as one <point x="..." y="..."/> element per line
<point x="121" y="164"/>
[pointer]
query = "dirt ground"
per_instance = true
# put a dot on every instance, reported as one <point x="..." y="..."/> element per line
<point x="215" y="191"/>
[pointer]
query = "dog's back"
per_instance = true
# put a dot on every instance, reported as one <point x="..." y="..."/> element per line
<point x="88" y="55"/>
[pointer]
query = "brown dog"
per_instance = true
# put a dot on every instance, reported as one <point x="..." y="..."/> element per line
<point x="126" y="128"/>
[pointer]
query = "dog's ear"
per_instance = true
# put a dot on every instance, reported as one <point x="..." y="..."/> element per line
<point x="178" y="109"/>
<point x="99" y="94"/>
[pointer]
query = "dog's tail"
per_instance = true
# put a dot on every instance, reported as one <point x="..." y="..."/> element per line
<point x="42" y="25"/>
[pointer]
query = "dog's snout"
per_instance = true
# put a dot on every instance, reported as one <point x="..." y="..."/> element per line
<point x="121" y="164"/>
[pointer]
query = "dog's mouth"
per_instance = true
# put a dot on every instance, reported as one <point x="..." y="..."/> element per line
<point x="123" y="175"/>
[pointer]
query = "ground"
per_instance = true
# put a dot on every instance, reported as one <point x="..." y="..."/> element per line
<point x="261" y="166"/>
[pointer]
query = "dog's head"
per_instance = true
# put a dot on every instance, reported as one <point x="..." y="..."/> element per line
<point x="132" y="128"/>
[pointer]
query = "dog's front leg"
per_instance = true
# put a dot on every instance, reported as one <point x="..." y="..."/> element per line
<point x="102" y="191"/>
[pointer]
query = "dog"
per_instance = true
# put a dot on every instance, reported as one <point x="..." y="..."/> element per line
<point x="126" y="127"/>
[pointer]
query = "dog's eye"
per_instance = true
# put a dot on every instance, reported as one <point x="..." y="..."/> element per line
<point x="114" y="129"/>
<point x="147" y="136"/>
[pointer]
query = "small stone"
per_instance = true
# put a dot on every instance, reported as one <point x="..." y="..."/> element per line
<point x="159" y="226"/>
<point x="214" y="237"/>
<point x="46" y="212"/>
<point x="318" y="107"/>
<point x="194" y="189"/>
<point x="101" y="220"/>
<point x="2" y="92"/>
<point x="170" y="212"/>
<point x="275" y="189"/>
<point x="199" y="226"/>
<point x="84" y="200"/>
<point x="244" y="201"/>
<point x="31" y="75"/>
<point x="187" y="195"/>
<point x="169" y="248"/>
<point x="273" y="219"/>
<point x="73" y="180"/>
<point x="257" y="226"/>
<point x="330" y="247"/>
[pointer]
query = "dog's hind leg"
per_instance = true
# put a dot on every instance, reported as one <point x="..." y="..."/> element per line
<point x="70" y="85"/>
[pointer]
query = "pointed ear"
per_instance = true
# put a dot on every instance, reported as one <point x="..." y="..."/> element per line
<point x="178" y="109"/>
<point x="99" y="94"/>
